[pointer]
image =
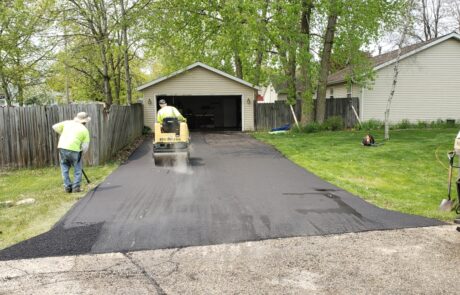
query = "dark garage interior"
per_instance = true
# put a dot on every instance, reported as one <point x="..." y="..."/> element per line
<point x="208" y="112"/>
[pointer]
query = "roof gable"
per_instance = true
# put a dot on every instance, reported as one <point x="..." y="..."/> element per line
<point x="192" y="66"/>
<point x="386" y="59"/>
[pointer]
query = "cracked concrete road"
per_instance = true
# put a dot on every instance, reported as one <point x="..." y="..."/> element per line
<point x="406" y="261"/>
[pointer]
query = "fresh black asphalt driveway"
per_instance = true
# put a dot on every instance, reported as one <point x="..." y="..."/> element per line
<point x="236" y="189"/>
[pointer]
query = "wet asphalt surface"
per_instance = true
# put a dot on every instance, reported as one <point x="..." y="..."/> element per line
<point x="235" y="189"/>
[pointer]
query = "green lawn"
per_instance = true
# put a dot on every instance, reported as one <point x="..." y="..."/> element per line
<point x="45" y="186"/>
<point x="407" y="173"/>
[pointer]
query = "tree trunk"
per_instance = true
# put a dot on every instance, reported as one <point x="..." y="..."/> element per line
<point x="124" y="31"/>
<point x="325" y="65"/>
<point x="105" y="75"/>
<point x="20" y="95"/>
<point x="305" y="59"/>
<point x="7" y="92"/>
<point x="396" y="71"/>
<point x="116" y="77"/>
<point x="261" y="44"/>
<point x="259" y="59"/>
<point x="238" y="65"/>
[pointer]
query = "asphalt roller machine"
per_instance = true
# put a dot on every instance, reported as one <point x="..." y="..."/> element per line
<point x="171" y="142"/>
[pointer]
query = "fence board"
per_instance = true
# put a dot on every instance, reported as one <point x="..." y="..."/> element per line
<point x="27" y="138"/>
<point x="271" y="115"/>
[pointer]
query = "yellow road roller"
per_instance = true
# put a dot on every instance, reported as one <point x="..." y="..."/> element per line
<point x="171" y="142"/>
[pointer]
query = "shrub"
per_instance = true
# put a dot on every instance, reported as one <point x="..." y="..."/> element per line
<point x="146" y="130"/>
<point x="372" y="125"/>
<point x="437" y="124"/>
<point x="333" y="123"/>
<point x="312" y="127"/>
<point x="404" y="124"/>
<point x="422" y="124"/>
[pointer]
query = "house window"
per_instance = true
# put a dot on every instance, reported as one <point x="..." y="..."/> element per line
<point x="331" y="92"/>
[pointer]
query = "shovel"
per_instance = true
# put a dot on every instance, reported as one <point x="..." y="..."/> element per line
<point x="448" y="204"/>
<point x="83" y="171"/>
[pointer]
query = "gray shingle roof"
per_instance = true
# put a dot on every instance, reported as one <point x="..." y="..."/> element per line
<point x="378" y="60"/>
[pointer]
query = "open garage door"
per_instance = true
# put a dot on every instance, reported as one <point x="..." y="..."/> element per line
<point x="208" y="112"/>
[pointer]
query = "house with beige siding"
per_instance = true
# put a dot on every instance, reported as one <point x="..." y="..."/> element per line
<point x="428" y="86"/>
<point x="207" y="97"/>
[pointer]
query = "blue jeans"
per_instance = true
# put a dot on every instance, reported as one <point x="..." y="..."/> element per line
<point x="69" y="159"/>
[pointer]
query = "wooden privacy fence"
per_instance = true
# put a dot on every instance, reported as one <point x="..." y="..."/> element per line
<point x="342" y="107"/>
<point x="28" y="140"/>
<point x="271" y="115"/>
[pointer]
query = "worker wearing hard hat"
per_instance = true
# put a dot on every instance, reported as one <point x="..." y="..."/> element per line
<point x="166" y="111"/>
<point x="73" y="142"/>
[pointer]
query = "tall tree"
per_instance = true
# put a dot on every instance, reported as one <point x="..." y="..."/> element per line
<point x="124" y="32"/>
<point x="305" y="60"/>
<point x="432" y="18"/>
<point x="406" y="24"/>
<point x="333" y="13"/>
<point x="91" y="16"/>
<point x="229" y="35"/>
<point x="24" y="49"/>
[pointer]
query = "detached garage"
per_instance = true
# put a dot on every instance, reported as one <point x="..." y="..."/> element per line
<point x="209" y="98"/>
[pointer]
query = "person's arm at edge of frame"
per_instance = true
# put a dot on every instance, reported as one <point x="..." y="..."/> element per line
<point x="85" y="143"/>
<point x="179" y="115"/>
<point x="58" y="127"/>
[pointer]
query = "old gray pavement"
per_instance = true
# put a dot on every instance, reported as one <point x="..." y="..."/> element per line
<point x="407" y="261"/>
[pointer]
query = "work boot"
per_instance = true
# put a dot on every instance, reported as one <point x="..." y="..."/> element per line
<point x="68" y="189"/>
<point x="76" y="189"/>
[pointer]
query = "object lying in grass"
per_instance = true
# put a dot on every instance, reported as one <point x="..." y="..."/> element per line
<point x="278" y="132"/>
<point x="28" y="201"/>
<point x="368" y="140"/>
<point x="282" y="128"/>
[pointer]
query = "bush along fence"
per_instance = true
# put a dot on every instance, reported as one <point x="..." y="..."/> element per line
<point x="271" y="115"/>
<point x="28" y="140"/>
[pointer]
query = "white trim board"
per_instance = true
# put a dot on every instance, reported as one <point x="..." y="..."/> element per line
<point x="197" y="64"/>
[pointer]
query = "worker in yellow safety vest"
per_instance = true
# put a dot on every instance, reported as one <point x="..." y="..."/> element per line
<point x="166" y="111"/>
<point x="73" y="142"/>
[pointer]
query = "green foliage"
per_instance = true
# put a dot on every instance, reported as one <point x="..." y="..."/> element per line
<point x="312" y="127"/>
<point x="333" y="123"/>
<point x="394" y="175"/>
<point x="371" y="125"/>
<point x="146" y="130"/>
<point x="404" y="124"/>
<point x="77" y="47"/>
<point x="24" y="52"/>
<point x="422" y="124"/>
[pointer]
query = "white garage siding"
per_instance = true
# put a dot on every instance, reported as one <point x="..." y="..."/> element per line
<point x="428" y="86"/>
<point x="200" y="81"/>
